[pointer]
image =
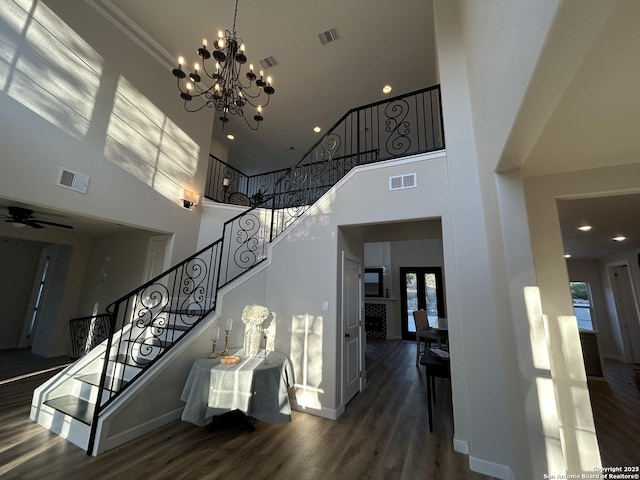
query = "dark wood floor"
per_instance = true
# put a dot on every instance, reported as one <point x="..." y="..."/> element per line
<point x="382" y="435"/>
<point x="616" y="413"/>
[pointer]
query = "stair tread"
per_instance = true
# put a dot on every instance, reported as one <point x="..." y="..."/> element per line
<point x="111" y="383"/>
<point x="73" y="406"/>
<point x="174" y="326"/>
<point x="183" y="311"/>
<point x="151" y="342"/>
<point x="127" y="360"/>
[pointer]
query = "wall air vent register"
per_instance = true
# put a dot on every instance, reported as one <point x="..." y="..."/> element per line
<point x="403" y="181"/>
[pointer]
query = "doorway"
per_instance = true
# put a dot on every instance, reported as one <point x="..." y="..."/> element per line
<point x="352" y="348"/>
<point x="626" y="310"/>
<point x="420" y="288"/>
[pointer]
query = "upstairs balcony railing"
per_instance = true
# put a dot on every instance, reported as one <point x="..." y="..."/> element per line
<point x="147" y="322"/>
<point x="396" y="127"/>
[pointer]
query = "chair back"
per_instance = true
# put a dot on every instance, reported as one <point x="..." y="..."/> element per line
<point x="421" y="320"/>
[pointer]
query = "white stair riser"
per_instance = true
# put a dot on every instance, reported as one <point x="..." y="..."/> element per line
<point x="118" y="370"/>
<point x="89" y="392"/>
<point x="67" y="427"/>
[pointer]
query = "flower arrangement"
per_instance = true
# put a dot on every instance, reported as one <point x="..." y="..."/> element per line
<point x="254" y="314"/>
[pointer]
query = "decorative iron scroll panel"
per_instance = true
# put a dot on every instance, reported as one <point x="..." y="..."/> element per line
<point x="87" y="333"/>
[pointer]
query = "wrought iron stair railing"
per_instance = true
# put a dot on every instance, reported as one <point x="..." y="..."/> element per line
<point x="87" y="333"/>
<point x="146" y="323"/>
<point x="395" y="127"/>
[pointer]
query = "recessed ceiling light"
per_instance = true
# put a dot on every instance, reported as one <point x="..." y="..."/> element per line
<point x="386" y="89"/>
<point x="231" y="137"/>
<point x="317" y="129"/>
<point x="619" y="238"/>
<point x="585" y="228"/>
<point x="567" y="255"/>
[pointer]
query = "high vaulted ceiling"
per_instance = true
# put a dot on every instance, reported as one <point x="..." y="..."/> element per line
<point x="381" y="42"/>
<point x="592" y="108"/>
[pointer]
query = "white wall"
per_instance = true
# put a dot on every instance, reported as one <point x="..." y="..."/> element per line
<point x="488" y="398"/>
<point x="553" y="281"/>
<point x="116" y="267"/>
<point x="138" y="155"/>
<point x="75" y="92"/>
<point x="306" y="262"/>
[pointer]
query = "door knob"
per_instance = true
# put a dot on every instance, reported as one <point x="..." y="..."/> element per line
<point x="347" y="335"/>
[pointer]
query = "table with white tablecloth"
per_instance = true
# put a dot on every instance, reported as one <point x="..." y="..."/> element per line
<point x="257" y="386"/>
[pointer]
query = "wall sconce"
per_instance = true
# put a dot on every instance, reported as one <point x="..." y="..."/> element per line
<point x="189" y="199"/>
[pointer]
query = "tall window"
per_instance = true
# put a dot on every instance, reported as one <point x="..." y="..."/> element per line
<point x="36" y="307"/>
<point x="582" y="306"/>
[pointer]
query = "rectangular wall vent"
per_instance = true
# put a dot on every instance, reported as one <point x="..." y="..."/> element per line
<point x="329" y="36"/>
<point x="269" y="62"/>
<point x="75" y="181"/>
<point x="403" y="181"/>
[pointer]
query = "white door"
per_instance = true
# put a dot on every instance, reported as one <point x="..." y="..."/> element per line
<point x="156" y="261"/>
<point x="626" y="309"/>
<point x="351" y="326"/>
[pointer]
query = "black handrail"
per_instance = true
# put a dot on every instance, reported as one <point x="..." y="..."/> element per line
<point x="147" y="322"/>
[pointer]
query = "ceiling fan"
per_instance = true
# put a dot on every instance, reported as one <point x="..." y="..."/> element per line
<point x="24" y="216"/>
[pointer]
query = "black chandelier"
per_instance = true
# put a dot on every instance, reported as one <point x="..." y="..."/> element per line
<point x="225" y="92"/>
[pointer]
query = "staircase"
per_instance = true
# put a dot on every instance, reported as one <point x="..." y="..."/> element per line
<point x="150" y="326"/>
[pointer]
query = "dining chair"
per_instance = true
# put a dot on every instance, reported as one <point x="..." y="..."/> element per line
<point x="424" y="332"/>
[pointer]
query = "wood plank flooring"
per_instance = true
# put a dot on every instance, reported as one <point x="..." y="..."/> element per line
<point x="382" y="435"/>
<point x="616" y="413"/>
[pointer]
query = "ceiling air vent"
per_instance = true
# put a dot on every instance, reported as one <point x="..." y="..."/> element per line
<point x="403" y="181"/>
<point x="269" y="62"/>
<point x="329" y="36"/>
<point x="75" y="181"/>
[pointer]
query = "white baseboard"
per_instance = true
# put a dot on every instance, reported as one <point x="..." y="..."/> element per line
<point x="497" y="470"/>
<point x="461" y="446"/>
<point x="328" y="413"/>
<point x="492" y="469"/>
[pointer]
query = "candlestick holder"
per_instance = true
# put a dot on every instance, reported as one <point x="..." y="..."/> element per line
<point x="213" y="349"/>
<point x="225" y="352"/>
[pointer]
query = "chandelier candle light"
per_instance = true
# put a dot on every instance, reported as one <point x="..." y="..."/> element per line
<point x="225" y="92"/>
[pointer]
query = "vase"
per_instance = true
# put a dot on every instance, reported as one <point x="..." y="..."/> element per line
<point x="252" y="340"/>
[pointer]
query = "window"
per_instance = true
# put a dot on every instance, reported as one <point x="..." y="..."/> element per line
<point x="373" y="282"/>
<point x="582" y="307"/>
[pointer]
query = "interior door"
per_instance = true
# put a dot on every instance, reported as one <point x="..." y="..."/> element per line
<point x="352" y="348"/>
<point x="422" y="288"/>
<point x="626" y="309"/>
<point x="156" y="261"/>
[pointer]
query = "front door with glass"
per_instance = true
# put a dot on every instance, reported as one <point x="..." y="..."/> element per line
<point x="422" y="288"/>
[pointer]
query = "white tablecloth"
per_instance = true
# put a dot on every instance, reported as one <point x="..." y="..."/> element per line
<point x="257" y="387"/>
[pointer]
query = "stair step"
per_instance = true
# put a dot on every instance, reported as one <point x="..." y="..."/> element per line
<point x="151" y="342"/>
<point x="73" y="406"/>
<point x="111" y="383"/>
<point x="184" y="311"/>
<point x="127" y="360"/>
<point x="173" y="326"/>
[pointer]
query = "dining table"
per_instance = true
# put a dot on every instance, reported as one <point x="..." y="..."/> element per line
<point x="257" y="386"/>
